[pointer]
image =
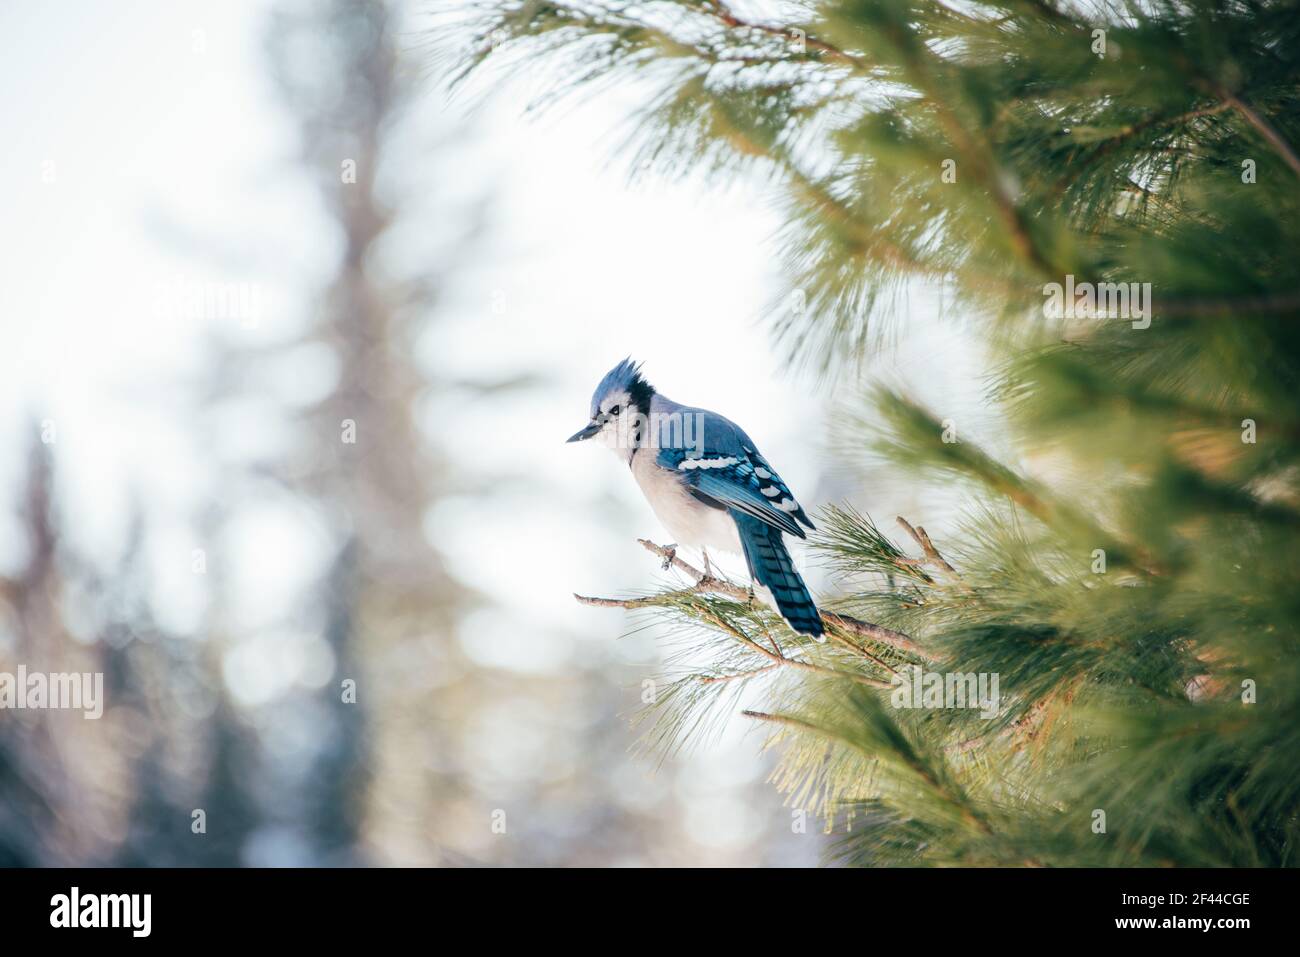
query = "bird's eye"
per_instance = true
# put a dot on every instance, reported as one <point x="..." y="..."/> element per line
<point x="614" y="411"/>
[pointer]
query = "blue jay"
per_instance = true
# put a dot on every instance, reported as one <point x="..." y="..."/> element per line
<point x="707" y="482"/>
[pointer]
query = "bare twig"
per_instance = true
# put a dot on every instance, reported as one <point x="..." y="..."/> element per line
<point x="625" y="602"/>
<point x="857" y="649"/>
<point x="649" y="601"/>
<point x="922" y="539"/>
<point x="839" y="625"/>
<point x="1264" y="128"/>
<point x="703" y="582"/>
<point x="714" y="585"/>
<point x="877" y="633"/>
<point x="932" y="556"/>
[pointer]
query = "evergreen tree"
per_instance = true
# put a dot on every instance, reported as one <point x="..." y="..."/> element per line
<point x="1113" y="189"/>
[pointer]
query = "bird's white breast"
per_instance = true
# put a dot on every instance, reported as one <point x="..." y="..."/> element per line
<point x="688" y="520"/>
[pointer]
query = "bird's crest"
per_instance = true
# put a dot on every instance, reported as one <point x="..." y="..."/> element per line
<point x="625" y="377"/>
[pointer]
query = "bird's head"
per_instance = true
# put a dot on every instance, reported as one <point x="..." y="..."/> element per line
<point x="620" y="408"/>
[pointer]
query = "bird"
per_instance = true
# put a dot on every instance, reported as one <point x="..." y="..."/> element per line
<point x="707" y="483"/>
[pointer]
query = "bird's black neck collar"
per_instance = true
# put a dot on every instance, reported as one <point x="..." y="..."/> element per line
<point x="639" y="394"/>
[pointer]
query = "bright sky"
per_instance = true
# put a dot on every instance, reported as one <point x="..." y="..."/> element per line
<point x="140" y="142"/>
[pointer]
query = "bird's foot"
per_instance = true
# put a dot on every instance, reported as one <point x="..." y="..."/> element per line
<point x="671" y="551"/>
<point x="708" y="569"/>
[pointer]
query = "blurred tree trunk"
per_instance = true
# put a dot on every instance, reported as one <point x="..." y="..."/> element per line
<point x="386" y="600"/>
<point x="33" y="783"/>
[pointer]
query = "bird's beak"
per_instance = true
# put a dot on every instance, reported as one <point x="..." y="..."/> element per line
<point x="584" y="434"/>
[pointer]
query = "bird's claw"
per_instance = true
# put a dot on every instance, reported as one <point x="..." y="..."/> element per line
<point x="670" y="553"/>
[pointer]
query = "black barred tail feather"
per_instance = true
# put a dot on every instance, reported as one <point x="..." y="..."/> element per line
<point x="771" y="567"/>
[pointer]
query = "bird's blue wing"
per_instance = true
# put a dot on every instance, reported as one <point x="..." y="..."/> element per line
<point x="736" y="476"/>
<point x="784" y="499"/>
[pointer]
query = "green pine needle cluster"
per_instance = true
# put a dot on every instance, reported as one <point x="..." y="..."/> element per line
<point x="1128" y="565"/>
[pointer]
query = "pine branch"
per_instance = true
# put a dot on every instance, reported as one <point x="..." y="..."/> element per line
<point x="841" y="627"/>
<point x="923" y="774"/>
<point x="724" y="14"/>
<point x="1263" y="127"/>
<point x="918" y="439"/>
<point x="1128" y="134"/>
